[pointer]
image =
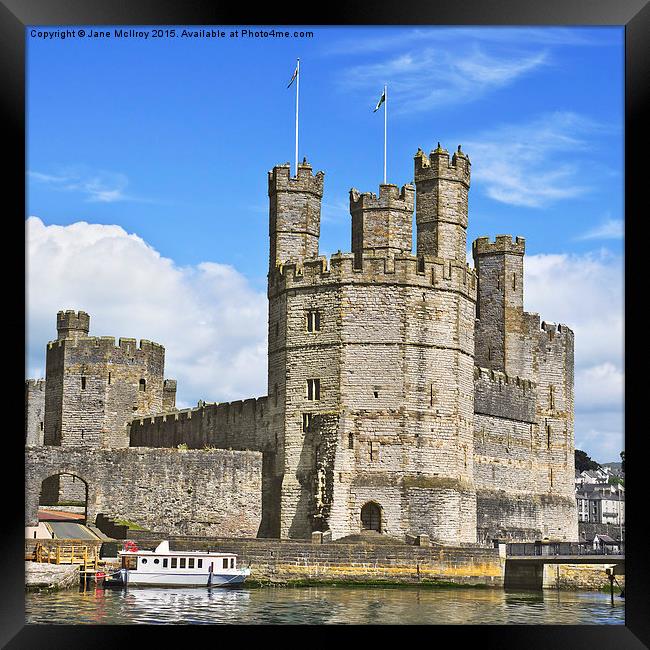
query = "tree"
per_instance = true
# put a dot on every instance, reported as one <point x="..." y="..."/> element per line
<point x="583" y="462"/>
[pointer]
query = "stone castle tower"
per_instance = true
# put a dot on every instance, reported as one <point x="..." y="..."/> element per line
<point x="94" y="388"/>
<point x="371" y="358"/>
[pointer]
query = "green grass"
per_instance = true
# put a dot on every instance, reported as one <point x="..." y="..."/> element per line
<point x="129" y="524"/>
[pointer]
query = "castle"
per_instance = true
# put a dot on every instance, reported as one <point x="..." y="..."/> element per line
<point x="407" y="393"/>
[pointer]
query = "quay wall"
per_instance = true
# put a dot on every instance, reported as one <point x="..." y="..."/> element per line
<point x="275" y="561"/>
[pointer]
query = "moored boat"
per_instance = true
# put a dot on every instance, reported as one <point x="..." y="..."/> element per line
<point x="163" y="567"/>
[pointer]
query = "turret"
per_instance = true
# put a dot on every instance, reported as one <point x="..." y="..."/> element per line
<point x="382" y="223"/>
<point x="501" y="329"/>
<point x="442" y="189"/>
<point x="72" y="324"/>
<point x="294" y="213"/>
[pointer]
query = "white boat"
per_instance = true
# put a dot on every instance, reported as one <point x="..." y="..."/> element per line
<point x="162" y="567"/>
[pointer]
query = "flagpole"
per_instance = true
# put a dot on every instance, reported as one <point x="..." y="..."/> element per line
<point x="297" y="92"/>
<point x="385" y="123"/>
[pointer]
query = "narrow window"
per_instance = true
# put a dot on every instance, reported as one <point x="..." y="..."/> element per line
<point x="109" y="378"/>
<point x="550" y="398"/>
<point x="275" y="395"/>
<point x="225" y="563"/>
<point x="143" y="385"/>
<point x="431" y="396"/>
<point x="174" y="562"/>
<point x="551" y="477"/>
<point x="190" y="563"/>
<point x="83" y="383"/>
<point x="514" y="280"/>
<point x="306" y="421"/>
<point x="199" y="563"/>
<point x="350" y="441"/>
<point x="498" y="281"/>
<point x="489" y="353"/>
<point x="313" y="320"/>
<point x="376" y="394"/>
<point x="548" y="436"/>
<point x="182" y="563"/>
<point x="374" y="451"/>
<point x="313" y="389"/>
<point x="41" y="426"/>
<point x="165" y="562"/>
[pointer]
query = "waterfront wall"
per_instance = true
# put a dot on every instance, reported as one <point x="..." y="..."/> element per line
<point x="284" y="561"/>
<point x="580" y="576"/>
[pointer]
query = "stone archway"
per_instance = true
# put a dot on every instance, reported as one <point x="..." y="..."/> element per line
<point x="64" y="492"/>
<point x="371" y="518"/>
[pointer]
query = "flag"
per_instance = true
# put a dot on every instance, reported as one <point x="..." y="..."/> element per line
<point x="382" y="99"/>
<point x="295" y="74"/>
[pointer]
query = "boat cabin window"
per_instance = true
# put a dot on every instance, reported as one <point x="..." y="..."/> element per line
<point x="144" y="560"/>
<point x="165" y="561"/>
<point x="225" y="562"/>
<point x="199" y="563"/>
<point x="190" y="563"/>
<point x="130" y="563"/>
<point x="174" y="562"/>
<point x="156" y="561"/>
<point x="182" y="564"/>
<point x="232" y="562"/>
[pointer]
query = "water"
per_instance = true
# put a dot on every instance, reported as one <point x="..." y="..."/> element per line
<point x="319" y="605"/>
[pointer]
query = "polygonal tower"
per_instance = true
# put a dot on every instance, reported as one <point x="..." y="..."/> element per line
<point x="442" y="189"/>
<point x="93" y="388"/>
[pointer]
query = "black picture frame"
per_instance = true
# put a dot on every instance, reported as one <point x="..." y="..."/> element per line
<point x="633" y="14"/>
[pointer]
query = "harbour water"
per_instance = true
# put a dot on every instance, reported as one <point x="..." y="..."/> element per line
<point x="324" y="605"/>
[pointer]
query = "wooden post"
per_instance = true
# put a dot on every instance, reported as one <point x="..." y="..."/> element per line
<point x="58" y="554"/>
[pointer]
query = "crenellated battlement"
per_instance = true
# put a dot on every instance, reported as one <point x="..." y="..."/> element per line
<point x="438" y="165"/>
<point x="280" y="180"/>
<point x="376" y="268"/>
<point x="498" y="377"/>
<point x="70" y="323"/>
<point x="35" y="384"/>
<point x="107" y="343"/>
<point x="390" y="197"/>
<point x="552" y="330"/>
<point x="502" y="244"/>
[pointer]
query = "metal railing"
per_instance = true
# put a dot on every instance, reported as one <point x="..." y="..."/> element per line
<point x="519" y="549"/>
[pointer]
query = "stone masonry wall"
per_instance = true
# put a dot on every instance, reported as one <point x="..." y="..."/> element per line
<point x="283" y="561"/>
<point x="188" y="492"/>
<point x="34" y="411"/>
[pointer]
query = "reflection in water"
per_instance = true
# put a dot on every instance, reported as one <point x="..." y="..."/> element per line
<point x="317" y="605"/>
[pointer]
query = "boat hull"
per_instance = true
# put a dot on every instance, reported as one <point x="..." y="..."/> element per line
<point x="168" y="579"/>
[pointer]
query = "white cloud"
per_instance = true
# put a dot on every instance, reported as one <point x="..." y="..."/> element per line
<point x="429" y="77"/>
<point x="609" y="229"/>
<point x="586" y="292"/>
<point x="518" y="164"/>
<point x="393" y="39"/>
<point x="97" y="187"/>
<point x="210" y="320"/>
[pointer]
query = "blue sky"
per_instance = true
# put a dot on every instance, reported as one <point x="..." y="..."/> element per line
<point x="158" y="148"/>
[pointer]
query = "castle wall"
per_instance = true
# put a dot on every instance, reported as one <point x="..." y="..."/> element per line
<point x="241" y="425"/>
<point x="187" y="492"/>
<point x="512" y="465"/>
<point x="34" y="411"/>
